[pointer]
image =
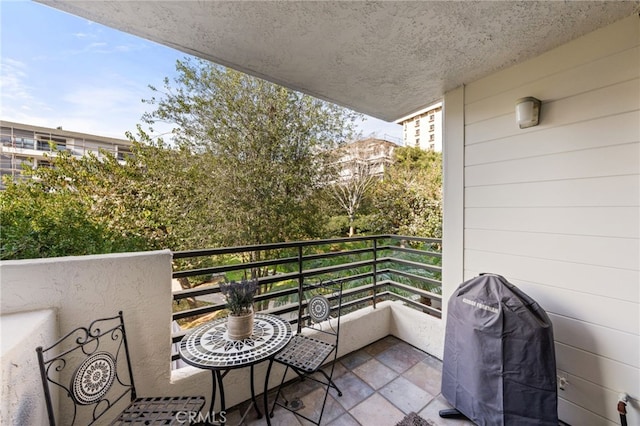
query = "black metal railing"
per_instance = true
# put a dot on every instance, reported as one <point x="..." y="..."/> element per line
<point x="372" y="268"/>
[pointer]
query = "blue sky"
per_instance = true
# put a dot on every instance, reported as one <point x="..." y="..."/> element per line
<point x="61" y="70"/>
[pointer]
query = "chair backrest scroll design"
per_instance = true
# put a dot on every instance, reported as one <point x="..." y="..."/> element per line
<point x="322" y="307"/>
<point x="91" y="370"/>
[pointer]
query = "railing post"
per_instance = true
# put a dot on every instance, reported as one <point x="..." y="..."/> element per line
<point x="375" y="270"/>
<point x="300" y="292"/>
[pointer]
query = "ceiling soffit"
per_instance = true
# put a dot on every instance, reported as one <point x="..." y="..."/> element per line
<point x="386" y="59"/>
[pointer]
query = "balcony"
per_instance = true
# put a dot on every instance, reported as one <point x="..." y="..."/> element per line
<point x="389" y="278"/>
<point x="554" y="208"/>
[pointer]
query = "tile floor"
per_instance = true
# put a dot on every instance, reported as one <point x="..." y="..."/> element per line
<point x="380" y="383"/>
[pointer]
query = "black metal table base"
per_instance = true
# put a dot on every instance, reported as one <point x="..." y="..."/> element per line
<point x="216" y="382"/>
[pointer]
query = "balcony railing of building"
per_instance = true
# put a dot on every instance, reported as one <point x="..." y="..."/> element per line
<point x="77" y="147"/>
<point x="373" y="268"/>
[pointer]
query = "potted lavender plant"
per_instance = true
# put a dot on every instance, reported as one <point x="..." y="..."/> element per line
<point x="239" y="298"/>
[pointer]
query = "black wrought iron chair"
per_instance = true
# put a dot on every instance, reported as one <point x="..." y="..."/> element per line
<point x="91" y="369"/>
<point x="311" y="348"/>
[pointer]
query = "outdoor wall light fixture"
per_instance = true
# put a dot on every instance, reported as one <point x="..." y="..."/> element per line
<point x="527" y="112"/>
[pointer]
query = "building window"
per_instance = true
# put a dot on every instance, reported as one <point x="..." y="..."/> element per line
<point x="417" y="141"/>
<point x="123" y="153"/>
<point x="44" y="163"/>
<point x="432" y="127"/>
<point x="432" y="138"/>
<point x="417" y="132"/>
<point x="19" y="161"/>
<point x="431" y="117"/>
<point x="418" y="123"/>
<point x="43" y="146"/>
<point x="6" y="162"/>
<point x="43" y="143"/>
<point x="23" y="143"/>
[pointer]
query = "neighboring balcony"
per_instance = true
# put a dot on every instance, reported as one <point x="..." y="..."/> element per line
<point x="393" y="290"/>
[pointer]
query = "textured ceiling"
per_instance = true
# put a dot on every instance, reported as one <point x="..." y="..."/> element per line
<point x="386" y="59"/>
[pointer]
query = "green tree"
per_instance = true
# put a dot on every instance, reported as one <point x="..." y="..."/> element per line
<point x="36" y="223"/>
<point x="409" y="198"/>
<point x="269" y="149"/>
<point x="151" y="199"/>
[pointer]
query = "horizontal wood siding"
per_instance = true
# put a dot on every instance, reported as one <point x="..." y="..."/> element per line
<point x="556" y="208"/>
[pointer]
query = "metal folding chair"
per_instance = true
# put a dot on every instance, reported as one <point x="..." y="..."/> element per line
<point x="315" y="342"/>
<point x="91" y="369"/>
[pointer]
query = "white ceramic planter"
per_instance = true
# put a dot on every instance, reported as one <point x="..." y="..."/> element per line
<point x="240" y="326"/>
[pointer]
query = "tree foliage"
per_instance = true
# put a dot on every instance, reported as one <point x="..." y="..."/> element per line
<point x="98" y="204"/>
<point x="269" y="149"/>
<point x="35" y="223"/>
<point x="408" y="201"/>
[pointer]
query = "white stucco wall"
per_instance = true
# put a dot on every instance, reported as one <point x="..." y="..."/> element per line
<point x="81" y="289"/>
<point x="21" y="401"/>
<point x="556" y="208"/>
<point x="422" y="331"/>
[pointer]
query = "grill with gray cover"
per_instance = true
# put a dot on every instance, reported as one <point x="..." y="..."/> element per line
<point x="499" y="363"/>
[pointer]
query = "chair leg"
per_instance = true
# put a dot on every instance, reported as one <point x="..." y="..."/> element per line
<point x="330" y="382"/>
<point x="327" y="384"/>
<point x="275" y="400"/>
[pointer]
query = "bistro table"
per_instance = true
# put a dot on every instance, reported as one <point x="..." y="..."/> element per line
<point x="209" y="347"/>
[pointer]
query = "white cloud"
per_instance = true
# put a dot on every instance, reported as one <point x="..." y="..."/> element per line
<point x="18" y="102"/>
<point x="83" y="78"/>
<point x="126" y="48"/>
<point x="96" y="44"/>
<point x="12" y="82"/>
<point x="109" y="110"/>
<point x="83" y="35"/>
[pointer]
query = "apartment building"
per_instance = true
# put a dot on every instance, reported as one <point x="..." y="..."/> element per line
<point x="374" y="154"/>
<point x="32" y="145"/>
<point x="423" y="129"/>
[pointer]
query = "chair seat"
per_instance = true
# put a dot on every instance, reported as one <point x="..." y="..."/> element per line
<point x="160" y="410"/>
<point x="305" y="353"/>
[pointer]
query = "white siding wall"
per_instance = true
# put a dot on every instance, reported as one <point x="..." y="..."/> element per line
<point x="555" y="208"/>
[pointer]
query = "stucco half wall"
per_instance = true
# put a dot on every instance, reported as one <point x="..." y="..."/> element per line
<point x="21" y="402"/>
<point x="81" y="289"/>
